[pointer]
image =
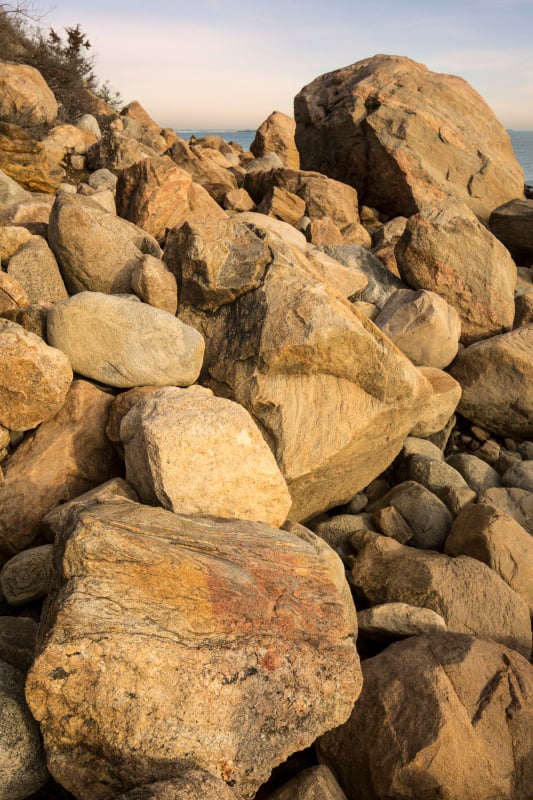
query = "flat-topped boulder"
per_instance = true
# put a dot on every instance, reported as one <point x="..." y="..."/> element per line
<point x="406" y="137"/>
<point x="223" y="645"/>
<point x="198" y="454"/>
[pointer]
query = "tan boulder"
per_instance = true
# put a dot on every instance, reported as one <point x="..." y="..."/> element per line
<point x="516" y="503"/>
<point x="323" y="232"/>
<point x="32" y="318"/>
<point x="12" y="295"/>
<point x="134" y="110"/>
<point x="323" y="198"/>
<point x="156" y="194"/>
<point x="406" y="137"/>
<point x="201" y="455"/>
<point x="423" y="326"/>
<point x="237" y="200"/>
<point x="10" y="191"/>
<point x="26" y="577"/>
<point x="293" y="351"/>
<point x="398" y="621"/>
<point x="224" y="646"/>
<point x="22" y="756"/>
<point x="119" y="341"/>
<point x="469" y="596"/>
<point x="445" y="715"/>
<point x="488" y="534"/>
<point x="523" y="310"/>
<point x="446" y="250"/>
<point x="35" y="268"/>
<point x="32" y="214"/>
<point x="348" y="281"/>
<point x="215" y="260"/>
<point x="34" y="378"/>
<point x="315" y="783"/>
<point x="191" y="784"/>
<point x="154" y="283"/>
<point x="207" y="167"/>
<point x="26" y="161"/>
<point x="496" y="378"/>
<point x="282" y="205"/>
<point x="276" y="135"/>
<point x="275" y="227"/>
<point x="12" y="238"/>
<point x="118" y="150"/>
<point x="441" y="404"/>
<point x="25" y="96"/>
<point x="66" y="456"/>
<point x="113" y="490"/>
<point x="96" y="250"/>
<point x="512" y="224"/>
<point x="66" y="140"/>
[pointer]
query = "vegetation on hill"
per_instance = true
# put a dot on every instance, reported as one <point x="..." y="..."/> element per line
<point x="65" y="60"/>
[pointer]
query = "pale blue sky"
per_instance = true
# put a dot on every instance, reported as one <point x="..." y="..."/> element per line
<point x="223" y="64"/>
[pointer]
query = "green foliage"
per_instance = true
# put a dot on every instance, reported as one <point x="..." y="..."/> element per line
<point x="64" y="60"/>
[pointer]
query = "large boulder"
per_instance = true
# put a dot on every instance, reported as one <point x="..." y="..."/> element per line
<point x="446" y="715"/>
<point x="216" y="260"/>
<point x="224" y="646"/>
<point x="423" y="326"/>
<point x="96" y="250"/>
<point x="496" y="377"/>
<point x="34" y="378"/>
<point x="406" y="137"/>
<point x="512" y="224"/>
<point x="66" y="456"/>
<point x="276" y="135"/>
<point x="35" y="268"/>
<point x="495" y="538"/>
<point x="25" y="97"/>
<point x="470" y="596"/>
<point x="202" y="455"/>
<point x="26" y="160"/>
<point x="122" y="342"/>
<point x="156" y="194"/>
<point x="292" y="351"/>
<point x="446" y="250"/>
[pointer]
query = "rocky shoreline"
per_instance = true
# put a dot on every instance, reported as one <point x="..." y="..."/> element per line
<point x="266" y="442"/>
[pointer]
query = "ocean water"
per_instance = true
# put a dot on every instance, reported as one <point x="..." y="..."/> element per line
<point x="244" y="138"/>
<point x="522" y="142"/>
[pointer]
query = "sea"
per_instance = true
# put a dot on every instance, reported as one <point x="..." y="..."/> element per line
<point x="522" y="142"/>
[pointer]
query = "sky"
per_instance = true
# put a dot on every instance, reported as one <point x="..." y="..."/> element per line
<point x="227" y="64"/>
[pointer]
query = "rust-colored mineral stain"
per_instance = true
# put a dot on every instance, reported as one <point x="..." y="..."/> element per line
<point x="271" y="660"/>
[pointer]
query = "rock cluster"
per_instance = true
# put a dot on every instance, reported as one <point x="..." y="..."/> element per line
<point x="264" y="416"/>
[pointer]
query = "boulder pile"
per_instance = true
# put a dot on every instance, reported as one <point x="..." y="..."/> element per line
<point x="266" y="450"/>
